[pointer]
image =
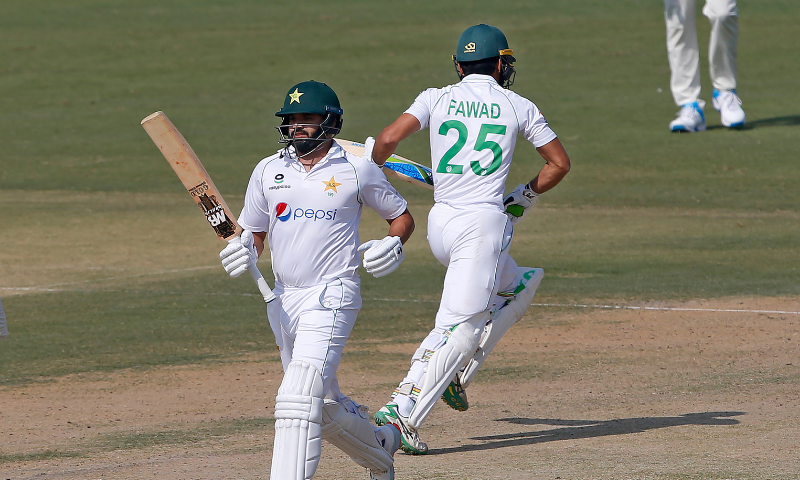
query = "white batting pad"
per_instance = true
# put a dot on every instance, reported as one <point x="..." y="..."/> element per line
<point x="444" y="363"/>
<point x="502" y="321"/>
<point x="355" y="436"/>
<point x="298" y="419"/>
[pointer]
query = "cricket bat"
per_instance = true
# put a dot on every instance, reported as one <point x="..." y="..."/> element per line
<point x="198" y="183"/>
<point x="396" y="166"/>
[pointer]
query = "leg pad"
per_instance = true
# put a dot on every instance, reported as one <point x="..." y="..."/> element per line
<point x="355" y="436"/>
<point x="298" y="419"/>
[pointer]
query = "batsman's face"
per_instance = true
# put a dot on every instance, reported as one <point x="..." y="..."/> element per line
<point x="304" y="125"/>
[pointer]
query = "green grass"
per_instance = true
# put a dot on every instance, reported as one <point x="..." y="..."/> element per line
<point x="61" y="333"/>
<point x="91" y="207"/>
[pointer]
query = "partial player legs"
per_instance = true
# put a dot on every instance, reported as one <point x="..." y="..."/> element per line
<point x="724" y="18"/>
<point x="474" y="246"/>
<point x="516" y="298"/>
<point x="503" y="318"/>
<point x="298" y="423"/>
<point x="722" y="45"/>
<point x="683" y="51"/>
<point x="312" y="332"/>
<point x="684" y="62"/>
<point x="346" y="425"/>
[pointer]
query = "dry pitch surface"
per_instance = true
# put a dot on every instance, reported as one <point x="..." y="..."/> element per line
<point x="570" y="394"/>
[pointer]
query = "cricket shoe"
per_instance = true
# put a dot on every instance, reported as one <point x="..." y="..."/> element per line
<point x="390" y="442"/>
<point x="409" y="437"/>
<point x="455" y="396"/>
<point x="729" y="106"/>
<point x="690" y="119"/>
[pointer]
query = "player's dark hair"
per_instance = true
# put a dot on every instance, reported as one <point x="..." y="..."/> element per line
<point x="485" y="66"/>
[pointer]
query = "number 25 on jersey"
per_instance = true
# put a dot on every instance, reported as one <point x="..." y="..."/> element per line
<point x="481" y="143"/>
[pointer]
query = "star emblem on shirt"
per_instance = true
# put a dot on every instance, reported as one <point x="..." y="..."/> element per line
<point x="295" y="96"/>
<point x="331" y="185"/>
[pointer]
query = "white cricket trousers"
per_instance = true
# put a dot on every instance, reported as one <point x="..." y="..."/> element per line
<point x="684" y="53"/>
<point x="473" y="244"/>
<point x="313" y="324"/>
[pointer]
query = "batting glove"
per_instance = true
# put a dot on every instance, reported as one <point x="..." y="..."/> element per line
<point x="382" y="257"/>
<point x="369" y="144"/>
<point x="518" y="202"/>
<point x="239" y="254"/>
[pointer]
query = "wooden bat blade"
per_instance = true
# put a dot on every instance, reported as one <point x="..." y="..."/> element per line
<point x="193" y="175"/>
<point x="198" y="183"/>
<point x="396" y="166"/>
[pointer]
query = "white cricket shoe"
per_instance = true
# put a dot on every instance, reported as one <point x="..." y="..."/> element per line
<point x="409" y="440"/>
<point x="690" y="119"/>
<point x="729" y="106"/>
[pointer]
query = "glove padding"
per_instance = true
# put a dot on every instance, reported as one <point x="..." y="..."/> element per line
<point x="518" y="202"/>
<point x="239" y="254"/>
<point x="382" y="257"/>
<point x="369" y="145"/>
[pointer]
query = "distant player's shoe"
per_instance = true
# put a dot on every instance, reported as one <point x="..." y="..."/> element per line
<point x="729" y="106"/>
<point x="409" y="440"/>
<point x="690" y="119"/>
<point x="455" y="396"/>
<point x="390" y="442"/>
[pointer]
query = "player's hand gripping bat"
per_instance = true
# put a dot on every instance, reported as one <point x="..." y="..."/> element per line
<point x="198" y="183"/>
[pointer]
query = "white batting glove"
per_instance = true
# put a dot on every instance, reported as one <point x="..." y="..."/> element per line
<point x="518" y="202"/>
<point x="239" y="254"/>
<point x="382" y="257"/>
<point x="369" y="144"/>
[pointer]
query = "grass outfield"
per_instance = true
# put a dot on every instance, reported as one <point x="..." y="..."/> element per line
<point x="106" y="264"/>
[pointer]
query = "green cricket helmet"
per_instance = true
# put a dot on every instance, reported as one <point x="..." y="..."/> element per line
<point x="482" y="42"/>
<point x="310" y="97"/>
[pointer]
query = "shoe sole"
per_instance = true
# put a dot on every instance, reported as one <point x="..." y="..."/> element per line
<point x="382" y="419"/>
<point x="453" y="400"/>
<point x="686" y="130"/>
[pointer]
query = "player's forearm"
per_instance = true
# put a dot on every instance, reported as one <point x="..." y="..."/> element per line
<point x="402" y="226"/>
<point x="391" y="136"/>
<point x="548" y="178"/>
<point x="554" y="170"/>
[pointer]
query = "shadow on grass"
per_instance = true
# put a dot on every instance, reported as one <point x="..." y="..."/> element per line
<point x="575" y="429"/>
<point x="785" y="121"/>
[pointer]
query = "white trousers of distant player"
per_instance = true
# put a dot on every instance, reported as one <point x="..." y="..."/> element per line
<point x="684" y="53"/>
<point x="473" y="244"/>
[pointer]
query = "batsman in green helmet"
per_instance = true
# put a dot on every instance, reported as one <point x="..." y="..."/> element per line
<point x="474" y="125"/>
<point x="305" y="202"/>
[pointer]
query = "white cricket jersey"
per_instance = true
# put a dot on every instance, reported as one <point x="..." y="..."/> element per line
<point x="312" y="217"/>
<point x="473" y="130"/>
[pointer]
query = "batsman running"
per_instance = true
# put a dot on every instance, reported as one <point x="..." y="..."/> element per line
<point x="307" y="201"/>
<point x="473" y="131"/>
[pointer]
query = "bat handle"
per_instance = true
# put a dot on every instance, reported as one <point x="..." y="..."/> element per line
<point x="262" y="284"/>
